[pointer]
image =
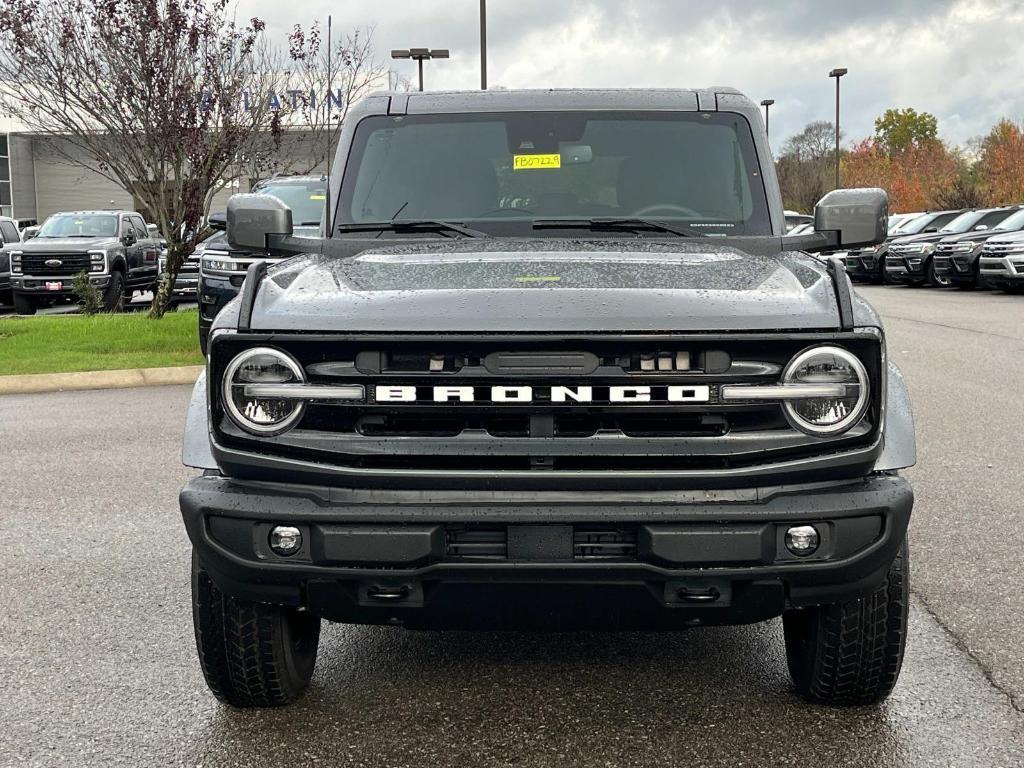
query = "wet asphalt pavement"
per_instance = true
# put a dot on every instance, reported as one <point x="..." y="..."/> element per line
<point x="98" y="664"/>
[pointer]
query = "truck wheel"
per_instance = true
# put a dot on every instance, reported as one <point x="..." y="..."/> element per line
<point x="113" y="297"/>
<point x="24" y="305"/>
<point x="252" y="654"/>
<point x="936" y="280"/>
<point x="850" y="654"/>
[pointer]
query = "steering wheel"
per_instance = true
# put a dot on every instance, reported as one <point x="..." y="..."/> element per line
<point x="653" y="210"/>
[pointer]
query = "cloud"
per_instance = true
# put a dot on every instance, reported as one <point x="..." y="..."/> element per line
<point x="959" y="59"/>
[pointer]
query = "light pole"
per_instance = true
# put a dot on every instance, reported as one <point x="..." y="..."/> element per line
<point x="766" y="103"/>
<point x="837" y="73"/>
<point x="483" y="45"/>
<point x="420" y="55"/>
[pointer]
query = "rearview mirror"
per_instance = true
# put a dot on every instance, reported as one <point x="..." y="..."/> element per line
<point x="857" y="217"/>
<point x="252" y="218"/>
<point x="217" y="221"/>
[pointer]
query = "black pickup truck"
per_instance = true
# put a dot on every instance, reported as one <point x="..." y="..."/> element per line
<point x="115" y="248"/>
<point x="555" y="365"/>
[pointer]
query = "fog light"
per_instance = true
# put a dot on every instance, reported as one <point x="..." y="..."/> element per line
<point x="802" y="540"/>
<point x="286" y="540"/>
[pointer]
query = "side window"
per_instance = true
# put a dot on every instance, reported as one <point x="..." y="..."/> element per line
<point x="141" y="233"/>
<point x="126" y="227"/>
<point x="9" y="232"/>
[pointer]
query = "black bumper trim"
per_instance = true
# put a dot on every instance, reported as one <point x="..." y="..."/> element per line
<point x="339" y="591"/>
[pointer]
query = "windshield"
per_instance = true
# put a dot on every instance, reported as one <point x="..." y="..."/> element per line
<point x="965" y="222"/>
<point x="498" y="172"/>
<point x="83" y="225"/>
<point x="1012" y="223"/>
<point x="930" y="221"/>
<point x="306" y="199"/>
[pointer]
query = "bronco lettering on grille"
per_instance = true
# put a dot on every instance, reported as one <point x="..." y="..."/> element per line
<point x="552" y="394"/>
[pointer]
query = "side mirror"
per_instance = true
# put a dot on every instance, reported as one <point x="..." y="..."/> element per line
<point x="128" y="239"/>
<point x="28" y="233"/>
<point x="218" y="221"/>
<point x="251" y="219"/>
<point x="857" y="216"/>
<point x="152" y="229"/>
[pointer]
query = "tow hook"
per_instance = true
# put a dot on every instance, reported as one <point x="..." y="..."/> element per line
<point x="388" y="594"/>
<point x="708" y="595"/>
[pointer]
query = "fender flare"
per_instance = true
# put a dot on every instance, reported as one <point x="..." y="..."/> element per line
<point x="899" y="450"/>
<point x="196" y="451"/>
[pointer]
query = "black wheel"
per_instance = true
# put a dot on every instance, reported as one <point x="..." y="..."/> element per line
<point x="1013" y="288"/>
<point x="24" y="305"/>
<point x="935" y="279"/>
<point x="850" y="654"/>
<point x="113" y="296"/>
<point x="252" y="654"/>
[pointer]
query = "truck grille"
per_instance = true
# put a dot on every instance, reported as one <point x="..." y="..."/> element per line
<point x="543" y="437"/>
<point x="35" y="264"/>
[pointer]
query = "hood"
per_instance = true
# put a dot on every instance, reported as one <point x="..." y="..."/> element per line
<point x="931" y="237"/>
<point x="1007" y="237"/>
<point x="547" y="286"/>
<point x="64" y="244"/>
<point x="976" y="237"/>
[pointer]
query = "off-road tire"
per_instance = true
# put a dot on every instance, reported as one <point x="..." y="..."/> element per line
<point x="113" y="296"/>
<point x="24" y="305"/>
<point x="251" y="654"/>
<point x="850" y="654"/>
<point x="1014" y="290"/>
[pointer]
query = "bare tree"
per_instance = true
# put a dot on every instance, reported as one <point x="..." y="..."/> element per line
<point x="320" y="91"/>
<point x="806" y="165"/>
<point x="147" y="93"/>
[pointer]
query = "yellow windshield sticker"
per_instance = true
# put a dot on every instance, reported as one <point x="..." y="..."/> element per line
<point x="318" y="197"/>
<point x="530" y="162"/>
<point x="538" y="279"/>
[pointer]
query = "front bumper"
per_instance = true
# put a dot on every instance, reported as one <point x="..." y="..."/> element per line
<point x="482" y="558"/>
<point x="1003" y="270"/>
<point x="44" y="286"/>
<point x="957" y="266"/>
<point x="906" y="268"/>
<point x="862" y="265"/>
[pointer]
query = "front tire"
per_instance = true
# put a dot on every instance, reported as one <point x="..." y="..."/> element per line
<point x="251" y="654"/>
<point x="935" y="279"/>
<point x="24" y="305"/>
<point x="113" y="297"/>
<point x="850" y="654"/>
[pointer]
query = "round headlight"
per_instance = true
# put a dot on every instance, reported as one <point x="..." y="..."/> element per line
<point x="827" y="415"/>
<point x="258" y="414"/>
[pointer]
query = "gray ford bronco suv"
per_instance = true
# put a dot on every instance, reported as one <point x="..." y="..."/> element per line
<point x="553" y="364"/>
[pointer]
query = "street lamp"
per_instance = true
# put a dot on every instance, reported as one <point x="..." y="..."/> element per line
<point x="837" y="73"/>
<point x="766" y="103"/>
<point x="420" y="55"/>
<point x="483" y="45"/>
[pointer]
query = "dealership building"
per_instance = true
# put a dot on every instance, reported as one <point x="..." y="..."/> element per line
<point x="37" y="179"/>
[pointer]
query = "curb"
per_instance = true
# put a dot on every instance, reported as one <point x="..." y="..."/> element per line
<point x="121" y="379"/>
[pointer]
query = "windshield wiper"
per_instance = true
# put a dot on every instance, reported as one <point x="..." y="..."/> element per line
<point x="412" y="225"/>
<point x="612" y="224"/>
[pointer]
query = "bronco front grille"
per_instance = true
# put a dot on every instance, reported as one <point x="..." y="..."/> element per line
<point x="549" y="434"/>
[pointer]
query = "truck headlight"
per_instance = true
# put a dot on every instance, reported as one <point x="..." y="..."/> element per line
<point x="16" y="262"/>
<point x="97" y="261"/>
<point x="261" y="415"/>
<point x="827" y="415"/>
<point x="223" y="265"/>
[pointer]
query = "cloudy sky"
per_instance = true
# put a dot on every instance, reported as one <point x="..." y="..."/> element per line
<point x="962" y="60"/>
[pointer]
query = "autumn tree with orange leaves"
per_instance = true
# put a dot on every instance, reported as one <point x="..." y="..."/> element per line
<point x="1002" y="164"/>
<point x="917" y="177"/>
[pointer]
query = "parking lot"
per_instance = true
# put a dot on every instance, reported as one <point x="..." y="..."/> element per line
<point x="99" y="663"/>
